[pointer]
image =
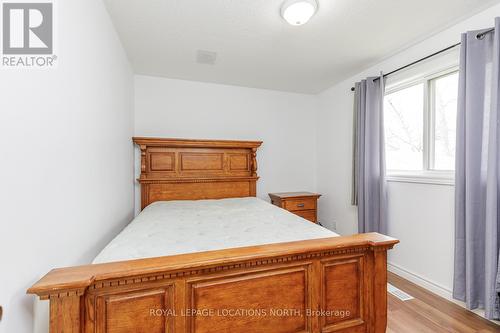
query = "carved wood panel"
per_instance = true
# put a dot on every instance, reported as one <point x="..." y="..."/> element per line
<point x="161" y="161"/>
<point x="239" y="162"/>
<point x="168" y="163"/>
<point x="199" y="161"/>
<point x="140" y="311"/>
<point x="342" y="295"/>
<point x="197" y="191"/>
<point x="270" y="301"/>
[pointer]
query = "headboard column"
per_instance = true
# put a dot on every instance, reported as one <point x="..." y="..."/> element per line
<point x="254" y="162"/>
<point x="185" y="169"/>
<point x="143" y="158"/>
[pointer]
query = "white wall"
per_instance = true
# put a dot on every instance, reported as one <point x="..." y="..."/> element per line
<point x="421" y="216"/>
<point x="286" y="123"/>
<point x="67" y="174"/>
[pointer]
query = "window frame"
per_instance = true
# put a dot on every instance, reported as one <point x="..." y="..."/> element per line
<point x="427" y="175"/>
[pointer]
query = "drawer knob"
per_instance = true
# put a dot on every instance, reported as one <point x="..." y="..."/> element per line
<point x="300" y="205"/>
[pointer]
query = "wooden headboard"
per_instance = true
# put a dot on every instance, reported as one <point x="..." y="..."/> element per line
<point x="184" y="169"/>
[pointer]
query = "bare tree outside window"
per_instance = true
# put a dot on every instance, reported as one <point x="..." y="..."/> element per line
<point x="420" y="125"/>
<point x="445" y="120"/>
<point x="403" y="128"/>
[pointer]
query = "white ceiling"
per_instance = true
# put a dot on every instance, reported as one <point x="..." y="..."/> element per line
<point x="256" y="48"/>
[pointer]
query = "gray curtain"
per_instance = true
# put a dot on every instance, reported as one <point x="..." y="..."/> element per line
<point x="477" y="173"/>
<point x="369" y="183"/>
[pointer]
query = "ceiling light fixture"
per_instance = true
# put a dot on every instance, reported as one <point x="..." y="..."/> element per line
<point x="298" y="12"/>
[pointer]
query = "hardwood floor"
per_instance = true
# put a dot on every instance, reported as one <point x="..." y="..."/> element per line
<point x="429" y="313"/>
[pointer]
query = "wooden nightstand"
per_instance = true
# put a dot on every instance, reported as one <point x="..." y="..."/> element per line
<point x="304" y="204"/>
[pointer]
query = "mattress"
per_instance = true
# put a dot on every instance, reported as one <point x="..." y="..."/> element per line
<point x="176" y="227"/>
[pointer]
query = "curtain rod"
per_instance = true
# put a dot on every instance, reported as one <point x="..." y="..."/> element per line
<point x="478" y="36"/>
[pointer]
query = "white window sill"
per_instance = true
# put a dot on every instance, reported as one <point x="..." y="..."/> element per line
<point x="432" y="178"/>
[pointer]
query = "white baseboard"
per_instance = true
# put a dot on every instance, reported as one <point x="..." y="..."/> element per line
<point x="422" y="282"/>
<point x="431" y="286"/>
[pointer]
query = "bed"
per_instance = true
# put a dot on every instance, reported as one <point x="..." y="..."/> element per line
<point x="188" y="226"/>
<point x="205" y="255"/>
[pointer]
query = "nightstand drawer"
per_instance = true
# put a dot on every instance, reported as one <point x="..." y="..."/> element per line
<point x="300" y="204"/>
<point x="307" y="214"/>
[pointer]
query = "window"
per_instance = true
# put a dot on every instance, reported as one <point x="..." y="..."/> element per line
<point x="420" y="127"/>
<point x="444" y="120"/>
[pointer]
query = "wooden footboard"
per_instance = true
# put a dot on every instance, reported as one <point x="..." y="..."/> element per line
<point x="327" y="285"/>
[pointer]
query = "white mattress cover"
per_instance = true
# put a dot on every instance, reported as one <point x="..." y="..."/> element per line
<point x="176" y="227"/>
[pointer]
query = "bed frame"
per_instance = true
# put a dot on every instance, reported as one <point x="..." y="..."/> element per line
<point x="327" y="285"/>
